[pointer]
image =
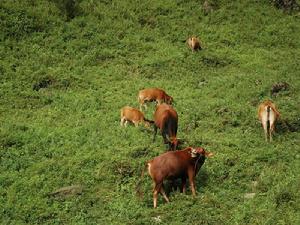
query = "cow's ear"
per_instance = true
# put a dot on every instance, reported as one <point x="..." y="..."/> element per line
<point x="209" y="154"/>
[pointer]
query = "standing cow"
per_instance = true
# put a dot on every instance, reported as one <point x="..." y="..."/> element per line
<point x="268" y="114"/>
<point x="166" y="119"/>
<point x="153" y="94"/>
<point x="182" y="164"/>
<point x="194" y="43"/>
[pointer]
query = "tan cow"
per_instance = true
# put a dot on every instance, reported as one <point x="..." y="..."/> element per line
<point x="153" y="94"/>
<point x="135" y="116"/>
<point x="268" y="114"/>
<point x="194" y="43"/>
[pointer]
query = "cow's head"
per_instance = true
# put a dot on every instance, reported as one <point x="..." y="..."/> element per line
<point x="173" y="143"/>
<point x="196" y="151"/>
<point x="169" y="100"/>
<point x="148" y="123"/>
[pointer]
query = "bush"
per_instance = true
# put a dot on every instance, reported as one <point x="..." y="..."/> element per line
<point x="68" y="8"/>
<point x="17" y="24"/>
<point x="287" y="5"/>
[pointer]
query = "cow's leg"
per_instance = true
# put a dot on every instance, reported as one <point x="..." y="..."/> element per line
<point x="126" y="122"/>
<point x="162" y="191"/>
<point x="155" y="194"/>
<point x="156" y="190"/>
<point x="164" y="135"/>
<point x="173" y="185"/>
<point x="122" y="121"/>
<point x="271" y="129"/>
<point x="265" y="127"/>
<point x="183" y="184"/>
<point x="264" y="122"/>
<point x="272" y="123"/>
<point x="159" y="101"/>
<point x="136" y="123"/>
<point x="143" y="104"/>
<point x="191" y="175"/>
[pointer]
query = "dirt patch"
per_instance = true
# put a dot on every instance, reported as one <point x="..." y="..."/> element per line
<point x="45" y="82"/>
<point x="278" y="87"/>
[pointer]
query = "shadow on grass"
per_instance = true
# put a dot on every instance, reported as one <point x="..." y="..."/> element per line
<point x="286" y="125"/>
<point x="201" y="181"/>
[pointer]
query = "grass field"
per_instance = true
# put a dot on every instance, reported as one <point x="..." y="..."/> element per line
<point x="66" y="70"/>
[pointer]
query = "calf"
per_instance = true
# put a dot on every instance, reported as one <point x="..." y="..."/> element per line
<point x="194" y="43"/>
<point x="268" y="114"/>
<point x="133" y="115"/>
<point x="166" y="119"/>
<point x="153" y="94"/>
<point x="176" y="164"/>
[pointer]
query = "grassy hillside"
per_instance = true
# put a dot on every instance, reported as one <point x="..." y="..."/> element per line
<point x="66" y="70"/>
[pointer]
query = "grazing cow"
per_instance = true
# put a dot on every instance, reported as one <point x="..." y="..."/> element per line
<point x="133" y="115"/>
<point x="268" y="114"/>
<point x="153" y="94"/>
<point x="166" y="119"/>
<point x="176" y="164"/>
<point x="194" y="43"/>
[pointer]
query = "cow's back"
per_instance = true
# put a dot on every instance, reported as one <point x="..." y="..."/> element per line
<point x="168" y="165"/>
<point x="267" y="111"/>
<point x="154" y="93"/>
<point x="131" y="113"/>
<point x="165" y="114"/>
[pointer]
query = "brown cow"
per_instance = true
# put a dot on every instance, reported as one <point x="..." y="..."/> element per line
<point x="153" y="94"/>
<point x="133" y="115"/>
<point x="166" y="119"/>
<point x="194" y="43"/>
<point x="182" y="164"/>
<point x="268" y="114"/>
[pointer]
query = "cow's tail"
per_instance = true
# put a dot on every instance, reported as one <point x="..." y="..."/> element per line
<point x="268" y="109"/>
<point x="268" y="116"/>
<point x="138" y="188"/>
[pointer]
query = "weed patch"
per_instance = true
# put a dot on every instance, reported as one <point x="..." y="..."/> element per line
<point x="215" y="61"/>
<point x="283" y="198"/>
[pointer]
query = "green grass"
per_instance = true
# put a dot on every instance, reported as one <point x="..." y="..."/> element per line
<point x="63" y="82"/>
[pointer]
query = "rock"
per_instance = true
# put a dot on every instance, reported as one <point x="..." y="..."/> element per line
<point x="157" y="219"/>
<point x="254" y="184"/>
<point x="249" y="195"/>
<point x="68" y="191"/>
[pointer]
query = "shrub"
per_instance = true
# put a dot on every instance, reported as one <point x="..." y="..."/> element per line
<point x="68" y="8"/>
<point x="17" y="24"/>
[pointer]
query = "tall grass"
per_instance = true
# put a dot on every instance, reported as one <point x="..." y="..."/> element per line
<point x="64" y="78"/>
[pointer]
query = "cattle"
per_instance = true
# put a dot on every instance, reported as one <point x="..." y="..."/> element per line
<point x="194" y="43"/>
<point x="181" y="164"/>
<point x="268" y="114"/>
<point x="166" y="119"/>
<point x="135" y="116"/>
<point x="153" y="94"/>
